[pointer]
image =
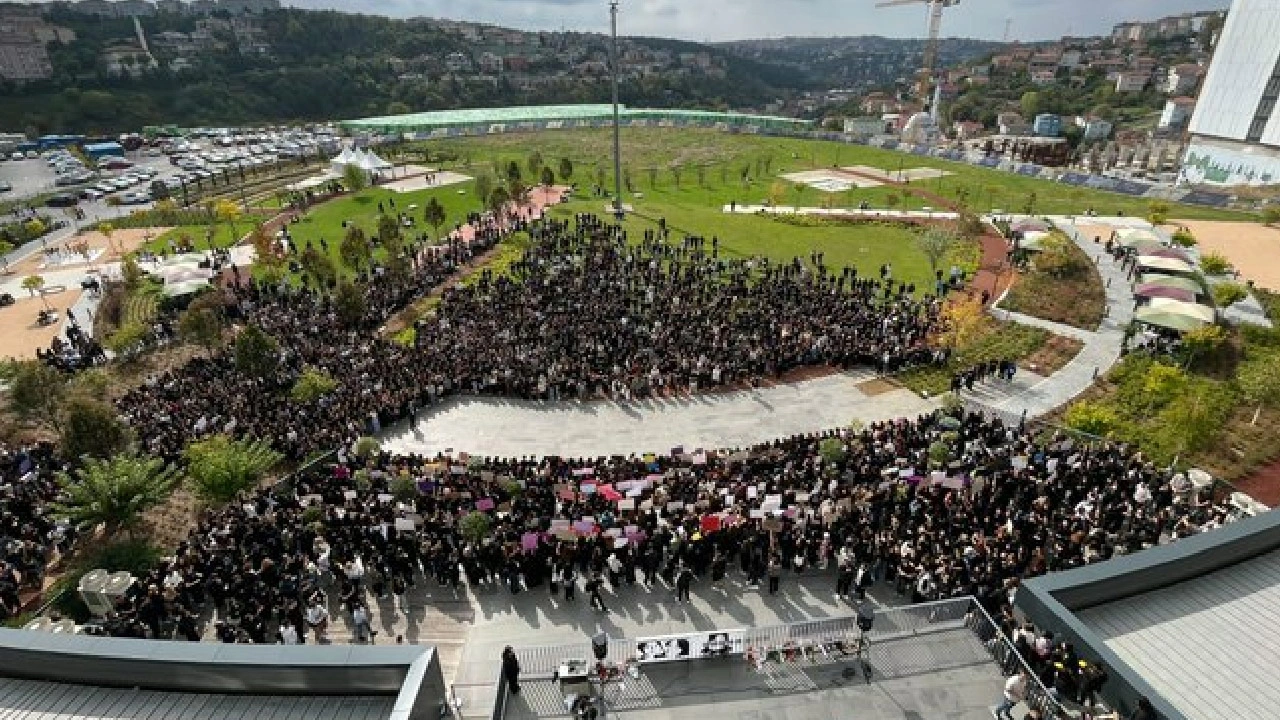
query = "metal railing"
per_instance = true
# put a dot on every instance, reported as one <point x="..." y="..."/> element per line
<point x="500" y="698"/>
<point x="1037" y="697"/>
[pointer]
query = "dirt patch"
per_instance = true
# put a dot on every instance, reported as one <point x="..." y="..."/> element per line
<point x="877" y="386"/>
<point x="1078" y="300"/>
<point x="1054" y="355"/>
<point x="22" y="334"/>
<point x="1253" y="249"/>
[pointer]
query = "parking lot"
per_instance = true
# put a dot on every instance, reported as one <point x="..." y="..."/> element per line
<point x="30" y="178"/>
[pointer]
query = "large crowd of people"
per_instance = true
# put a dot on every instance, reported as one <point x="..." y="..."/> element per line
<point x="882" y="505"/>
<point x="583" y="313"/>
<point x="30" y="534"/>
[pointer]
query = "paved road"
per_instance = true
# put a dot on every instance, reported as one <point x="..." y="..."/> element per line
<point x="492" y="426"/>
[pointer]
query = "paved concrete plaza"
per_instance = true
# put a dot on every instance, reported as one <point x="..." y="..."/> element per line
<point x="493" y="426"/>
<point x="941" y="675"/>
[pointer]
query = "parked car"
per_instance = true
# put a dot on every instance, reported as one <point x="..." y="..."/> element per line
<point x="5" y="187"/>
<point x="90" y="194"/>
<point x="134" y="198"/>
<point x="62" y="200"/>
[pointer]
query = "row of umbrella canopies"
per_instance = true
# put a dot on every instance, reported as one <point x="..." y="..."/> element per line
<point x="1168" y="286"/>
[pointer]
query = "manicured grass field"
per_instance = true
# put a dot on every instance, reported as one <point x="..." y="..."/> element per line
<point x="223" y="237"/>
<point x="325" y="220"/>
<point x="724" y="157"/>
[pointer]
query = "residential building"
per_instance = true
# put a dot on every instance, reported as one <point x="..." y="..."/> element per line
<point x="1012" y="123"/>
<point x="127" y="60"/>
<point x="1177" y="111"/>
<point x="864" y="126"/>
<point x="1070" y="59"/>
<point x="490" y="63"/>
<point x="1044" y="77"/>
<point x="1094" y="129"/>
<point x="1131" y="82"/>
<point x="23" y="59"/>
<point x="968" y="129"/>
<point x="1047" y="125"/>
<point x="1131" y="32"/>
<point x="1235" y="129"/>
<point x="457" y="62"/>
<point x="1183" y="79"/>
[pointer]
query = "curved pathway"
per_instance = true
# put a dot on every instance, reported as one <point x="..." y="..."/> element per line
<point x="1101" y="347"/>
<point x="496" y="426"/>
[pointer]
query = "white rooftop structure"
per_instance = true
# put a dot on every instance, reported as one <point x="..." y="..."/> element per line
<point x="1210" y="645"/>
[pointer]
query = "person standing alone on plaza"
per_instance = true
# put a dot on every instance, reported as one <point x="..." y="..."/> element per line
<point x="511" y="670"/>
<point x="1015" y="688"/>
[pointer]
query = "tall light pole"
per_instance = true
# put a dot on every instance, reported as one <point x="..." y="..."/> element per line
<point x="617" y="127"/>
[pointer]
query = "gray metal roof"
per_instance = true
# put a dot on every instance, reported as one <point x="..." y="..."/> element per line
<point x="32" y="700"/>
<point x="1209" y="645"/>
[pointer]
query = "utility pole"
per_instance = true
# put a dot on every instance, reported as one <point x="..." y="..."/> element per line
<point x="617" y="128"/>
<point x="1008" y="24"/>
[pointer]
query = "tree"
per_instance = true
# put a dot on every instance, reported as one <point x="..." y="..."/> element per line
<point x="1093" y="418"/>
<point x="566" y="170"/>
<point x="1059" y="256"/>
<point x="6" y="247"/>
<point x="484" y="188"/>
<point x="892" y="200"/>
<point x="1158" y="213"/>
<point x="777" y="193"/>
<point x="36" y="391"/>
<point x="1030" y="104"/>
<point x="518" y="192"/>
<point x="354" y="179"/>
<point x="1227" y="294"/>
<point x="34" y="227"/>
<point x="652" y="172"/>
<point x="548" y="178"/>
<point x="91" y="428"/>
<point x="700" y="171"/>
<point x="513" y="171"/>
<point x="201" y="323"/>
<point x="256" y="353"/>
<point x="355" y="248"/>
<point x="1203" y="342"/>
<point x="601" y="176"/>
<point x="498" y="200"/>
<point x="221" y="468"/>
<point x="114" y="492"/>
<point x="108" y="231"/>
<point x="228" y="212"/>
<point x="963" y="321"/>
<point x="131" y="273"/>
<point x="1270" y="216"/>
<point x="936" y="243"/>
<point x="434" y="214"/>
<point x="474" y="527"/>
<point x="1029" y="204"/>
<point x="312" y="384"/>
<point x="128" y="340"/>
<point x="1183" y="237"/>
<point x="34" y="284"/>
<point x="317" y="265"/>
<point x="1215" y="263"/>
<point x="349" y="302"/>
<point x="534" y="164"/>
<point x="676" y="171"/>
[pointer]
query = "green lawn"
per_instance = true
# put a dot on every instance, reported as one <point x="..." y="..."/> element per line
<point x="325" y="220"/>
<point x="223" y="237"/>
<point x="725" y="156"/>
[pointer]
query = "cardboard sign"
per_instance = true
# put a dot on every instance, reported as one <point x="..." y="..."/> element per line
<point x="584" y="472"/>
<point x="627" y="504"/>
<point x="772" y="524"/>
<point x="675" y="505"/>
<point x="404" y="524"/>
<point x="457" y="469"/>
<point x="757" y="514"/>
<point x="560" y="524"/>
<point x="349" y="494"/>
<point x="384" y="498"/>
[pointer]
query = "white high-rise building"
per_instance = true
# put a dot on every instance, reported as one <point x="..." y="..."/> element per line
<point x="1236" y="125"/>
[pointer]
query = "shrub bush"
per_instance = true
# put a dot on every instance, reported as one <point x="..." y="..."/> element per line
<point x="1215" y="264"/>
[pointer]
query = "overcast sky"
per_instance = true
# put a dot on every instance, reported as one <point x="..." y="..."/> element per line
<point x="738" y="19"/>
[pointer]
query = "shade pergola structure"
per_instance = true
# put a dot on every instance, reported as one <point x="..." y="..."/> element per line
<point x="1161" y="291"/>
<point x="1165" y="264"/>
<point x="313" y="182"/>
<point x="1175" y="314"/>
<point x="1033" y="240"/>
<point x="1131" y="237"/>
<point x="1171" y="281"/>
<point x="1165" y="252"/>
<point x="1029" y="225"/>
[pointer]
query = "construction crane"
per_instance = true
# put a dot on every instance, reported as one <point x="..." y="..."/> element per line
<point x="927" y="80"/>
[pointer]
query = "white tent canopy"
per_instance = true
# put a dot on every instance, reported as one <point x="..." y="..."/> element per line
<point x="1200" y="312"/>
